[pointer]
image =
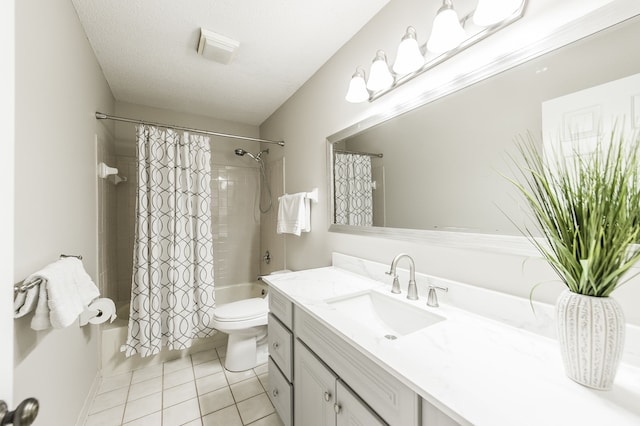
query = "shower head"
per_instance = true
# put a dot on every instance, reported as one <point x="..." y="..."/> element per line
<point x="241" y="152"/>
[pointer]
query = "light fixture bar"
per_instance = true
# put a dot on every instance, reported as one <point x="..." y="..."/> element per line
<point x="480" y="35"/>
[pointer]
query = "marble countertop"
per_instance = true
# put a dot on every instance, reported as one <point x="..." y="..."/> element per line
<point x="480" y="370"/>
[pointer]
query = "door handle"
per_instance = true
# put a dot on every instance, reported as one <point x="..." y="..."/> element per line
<point x="24" y="414"/>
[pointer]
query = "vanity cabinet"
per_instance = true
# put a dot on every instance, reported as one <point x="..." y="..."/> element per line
<point x="281" y="346"/>
<point x="318" y="378"/>
<point x="393" y="401"/>
<point x="280" y="340"/>
<point x="322" y="399"/>
<point x="432" y="416"/>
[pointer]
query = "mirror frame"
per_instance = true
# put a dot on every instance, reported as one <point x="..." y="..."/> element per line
<point x="592" y="23"/>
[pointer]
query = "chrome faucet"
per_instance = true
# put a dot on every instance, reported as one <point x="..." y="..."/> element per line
<point x="412" y="290"/>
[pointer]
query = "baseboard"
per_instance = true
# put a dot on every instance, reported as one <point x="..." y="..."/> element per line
<point x="91" y="395"/>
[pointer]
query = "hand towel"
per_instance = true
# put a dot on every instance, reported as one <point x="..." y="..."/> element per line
<point x="294" y="214"/>
<point x="66" y="290"/>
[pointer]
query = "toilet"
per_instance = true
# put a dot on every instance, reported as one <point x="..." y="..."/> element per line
<point x="245" y="321"/>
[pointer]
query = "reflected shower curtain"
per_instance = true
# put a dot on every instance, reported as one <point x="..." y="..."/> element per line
<point x="172" y="294"/>
<point x="353" y="196"/>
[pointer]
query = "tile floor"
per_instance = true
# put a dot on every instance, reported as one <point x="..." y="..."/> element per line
<point x="192" y="391"/>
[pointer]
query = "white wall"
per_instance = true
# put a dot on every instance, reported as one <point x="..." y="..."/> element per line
<point x="318" y="110"/>
<point x="7" y="122"/>
<point x="59" y="86"/>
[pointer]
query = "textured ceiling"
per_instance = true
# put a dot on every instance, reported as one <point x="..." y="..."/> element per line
<point x="147" y="50"/>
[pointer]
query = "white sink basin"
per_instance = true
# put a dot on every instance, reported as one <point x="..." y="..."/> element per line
<point x="384" y="315"/>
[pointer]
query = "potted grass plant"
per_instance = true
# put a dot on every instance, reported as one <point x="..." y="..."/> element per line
<point x="586" y="209"/>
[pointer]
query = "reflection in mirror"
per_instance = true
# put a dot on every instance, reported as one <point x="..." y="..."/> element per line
<point x="439" y="166"/>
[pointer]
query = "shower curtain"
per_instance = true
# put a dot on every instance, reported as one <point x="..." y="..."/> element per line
<point x="353" y="196"/>
<point x="172" y="293"/>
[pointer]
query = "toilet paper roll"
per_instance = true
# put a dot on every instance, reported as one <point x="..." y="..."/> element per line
<point x="106" y="310"/>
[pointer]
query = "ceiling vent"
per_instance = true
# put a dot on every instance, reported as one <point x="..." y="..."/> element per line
<point x="217" y="47"/>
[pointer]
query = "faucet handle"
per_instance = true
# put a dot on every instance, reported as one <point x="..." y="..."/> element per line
<point x="432" y="296"/>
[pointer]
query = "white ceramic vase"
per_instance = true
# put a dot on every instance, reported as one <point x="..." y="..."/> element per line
<point x="591" y="336"/>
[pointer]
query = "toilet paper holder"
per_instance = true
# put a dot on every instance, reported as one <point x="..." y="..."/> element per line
<point x="89" y="314"/>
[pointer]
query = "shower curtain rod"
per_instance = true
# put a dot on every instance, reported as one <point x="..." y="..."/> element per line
<point x="101" y="116"/>
<point x="370" y="154"/>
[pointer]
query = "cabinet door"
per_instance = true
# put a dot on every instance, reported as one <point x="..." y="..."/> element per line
<point x="351" y="411"/>
<point x="314" y="390"/>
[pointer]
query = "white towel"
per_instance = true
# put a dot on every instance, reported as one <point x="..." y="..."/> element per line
<point x="294" y="214"/>
<point x="65" y="291"/>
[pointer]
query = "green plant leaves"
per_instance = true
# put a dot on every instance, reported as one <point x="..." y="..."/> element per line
<point x="587" y="209"/>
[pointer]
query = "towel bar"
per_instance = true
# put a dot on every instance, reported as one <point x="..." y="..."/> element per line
<point x="313" y="195"/>
<point x="24" y="287"/>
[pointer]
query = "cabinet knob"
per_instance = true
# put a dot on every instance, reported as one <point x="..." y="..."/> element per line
<point x="276" y="345"/>
<point x="327" y="396"/>
<point x="337" y="408"/>
<point x="274" y="393"/>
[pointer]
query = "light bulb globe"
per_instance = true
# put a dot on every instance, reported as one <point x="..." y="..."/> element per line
<point x="409" y="57"/>
<point x="447" y="32"/>
<point x="357" y="91"/>
<point x="380" y="77"/>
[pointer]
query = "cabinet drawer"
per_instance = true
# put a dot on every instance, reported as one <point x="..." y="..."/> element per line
<point x="280" y="346"/>
<point x="280" y="393"/>
<point x="281" y="307"/>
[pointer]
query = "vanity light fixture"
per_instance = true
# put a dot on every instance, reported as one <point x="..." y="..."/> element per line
<point x="357" y="88"/>
<point x="380" y="77"/>
<point x="489" y="12"/>
<point x="409" y="57"/>
<point x="447" y="32"/>
<point x="448" y="38"/>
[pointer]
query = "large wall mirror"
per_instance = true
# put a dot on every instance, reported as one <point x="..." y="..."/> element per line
<point x="440" y="166"/>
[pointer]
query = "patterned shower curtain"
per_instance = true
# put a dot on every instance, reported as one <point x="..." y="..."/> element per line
<point x="172" y="294"/>
<point x="353" y="196"/>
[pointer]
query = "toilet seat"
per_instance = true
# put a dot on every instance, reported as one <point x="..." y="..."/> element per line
<point x="242" y="310"/>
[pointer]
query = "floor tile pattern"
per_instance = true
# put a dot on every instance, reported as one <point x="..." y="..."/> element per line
<point x="192" y="391"/>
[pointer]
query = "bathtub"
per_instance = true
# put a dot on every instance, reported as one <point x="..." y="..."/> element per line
<point x="114" y="334"/>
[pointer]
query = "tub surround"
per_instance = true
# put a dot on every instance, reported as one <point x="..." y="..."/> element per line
<point x="491" y="362"/>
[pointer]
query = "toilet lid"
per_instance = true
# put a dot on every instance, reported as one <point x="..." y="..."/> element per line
<point x="242" y="309"/>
